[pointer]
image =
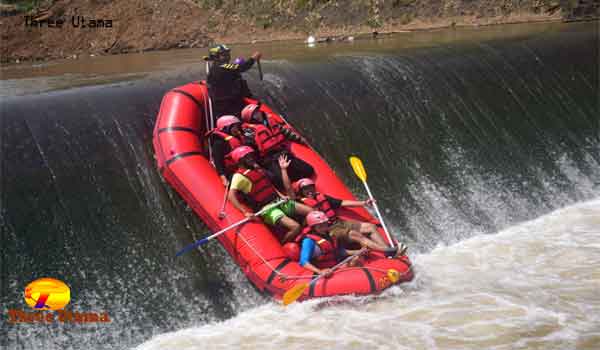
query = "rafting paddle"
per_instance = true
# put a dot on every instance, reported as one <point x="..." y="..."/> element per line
<point x="359" y="170"/>
<point x="296" y="291"/>
<point x="260" y="74"/>
<point x="214" y="235"/>
<point x="222" y="213"/>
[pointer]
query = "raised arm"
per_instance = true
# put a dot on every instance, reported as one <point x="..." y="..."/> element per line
<point x="249" y="62"/>
<point x="284" y="163"/>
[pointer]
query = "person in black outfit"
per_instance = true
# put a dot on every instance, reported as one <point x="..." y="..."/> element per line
<point x="226" y="87"/>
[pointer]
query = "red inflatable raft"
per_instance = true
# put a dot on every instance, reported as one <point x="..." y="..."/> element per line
<point x="182" y="157"/>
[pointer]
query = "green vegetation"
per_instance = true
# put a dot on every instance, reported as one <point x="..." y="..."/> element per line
<point x="23" y="5"/>
<point x="264" y="21"/>
<point x="209" y="4"/>
<point x="308" y="15"/>
<point x="374" y="22"/>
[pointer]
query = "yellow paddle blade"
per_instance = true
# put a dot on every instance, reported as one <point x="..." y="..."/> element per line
<point x="358" y="168"/>
<point x="294" y="293"/>
<point x="393" y="275"/>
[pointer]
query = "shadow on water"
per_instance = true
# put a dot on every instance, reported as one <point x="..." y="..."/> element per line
<point x="459" y="137"/>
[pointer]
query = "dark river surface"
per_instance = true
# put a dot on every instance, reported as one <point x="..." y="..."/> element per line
<point x="482" y="147"/>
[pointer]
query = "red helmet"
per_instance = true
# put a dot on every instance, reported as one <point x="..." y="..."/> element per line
<point x="240" y="152"/>
<point x="300" y="184"/>
<point x="226" y="120"/>
<point x="316" y="217"/>
<point x="248" y="112"/>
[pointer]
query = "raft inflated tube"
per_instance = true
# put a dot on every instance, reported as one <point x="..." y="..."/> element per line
<point x="182" y="157"/>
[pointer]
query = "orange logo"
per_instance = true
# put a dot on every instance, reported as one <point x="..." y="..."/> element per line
<point x="48" y="298"/>
<point x="47" y="294"/>
<point x="384" y="282"/>
<point x="390" y="278"/>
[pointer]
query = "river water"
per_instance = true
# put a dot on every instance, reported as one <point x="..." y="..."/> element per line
<point x="531" y="286"/>
<point x="482" y="145"/>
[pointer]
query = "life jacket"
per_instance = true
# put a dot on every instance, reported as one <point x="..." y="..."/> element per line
<point x="233" y="143"/>
<point x="327" y="245"/>
<point x="321" y="203"/>
<point x="262" y="192"/>
<point x="267" y="139"/>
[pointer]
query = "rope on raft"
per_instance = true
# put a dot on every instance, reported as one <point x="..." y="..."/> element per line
<point x="283" y="276"/>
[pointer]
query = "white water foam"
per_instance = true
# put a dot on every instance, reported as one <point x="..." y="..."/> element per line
<point x="532" y="286"/>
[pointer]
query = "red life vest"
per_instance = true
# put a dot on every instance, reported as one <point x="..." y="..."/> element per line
<point x="327" y="245"/>
<point x="233" y="143"/>
<point x="322" y="204"/>
<point x="262" y="192"/>
<point x="267" y="139"/>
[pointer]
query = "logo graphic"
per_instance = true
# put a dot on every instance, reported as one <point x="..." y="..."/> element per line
<point x="47" y="294"/>
<point x="48" y="298"/>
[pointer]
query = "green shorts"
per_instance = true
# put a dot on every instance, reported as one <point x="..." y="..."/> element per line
<point x="274" y="214"/>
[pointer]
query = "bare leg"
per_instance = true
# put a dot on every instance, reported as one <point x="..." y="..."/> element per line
<point x="292" y="226"/>
<point x="358" y="237"/>
<point x="371" y="231"/>
<point x="302" y="209"/>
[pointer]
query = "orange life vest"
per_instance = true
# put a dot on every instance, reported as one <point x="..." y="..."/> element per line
<point x="321" y="203"/>
<point x="262" y="192"/>
<point x="267" y="139"/>
<point x="233" y="143"/>
<point x="327" y="245"/>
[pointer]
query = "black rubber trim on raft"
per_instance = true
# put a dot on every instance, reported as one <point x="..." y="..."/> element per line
<point x="187" y="94"/>
<point x="178" y="128"/>
<point x="277" y="269"/>
<point x="371" y="280"/>
<point x="183" y="155"/>
<point x="311" y="290"/>
<point x="268" y="292"/>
